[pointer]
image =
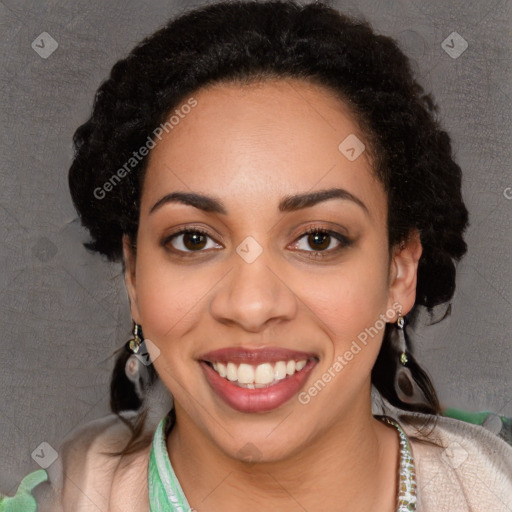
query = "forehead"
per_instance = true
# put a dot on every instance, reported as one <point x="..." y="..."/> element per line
<point x="256" y="142"/>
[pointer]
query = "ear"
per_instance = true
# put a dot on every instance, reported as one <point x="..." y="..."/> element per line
<point x="129" y="277"/>
<point x="404" y="273"/>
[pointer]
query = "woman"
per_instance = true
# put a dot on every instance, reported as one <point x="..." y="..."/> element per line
<point x="284" y="202"/>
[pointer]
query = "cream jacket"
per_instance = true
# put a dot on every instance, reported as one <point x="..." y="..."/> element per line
<point x="460" y="467"/>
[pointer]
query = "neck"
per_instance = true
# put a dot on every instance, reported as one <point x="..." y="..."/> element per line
<point x="352" y="466"/>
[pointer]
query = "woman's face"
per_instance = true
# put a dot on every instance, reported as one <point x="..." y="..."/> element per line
<point x="248" y="288"/>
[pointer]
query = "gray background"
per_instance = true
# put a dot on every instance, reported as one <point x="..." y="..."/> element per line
<point x="63" y="311"/>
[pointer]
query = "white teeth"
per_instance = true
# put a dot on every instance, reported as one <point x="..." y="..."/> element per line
<point x="232" y="372"/>
<point x="259" y="376"/>
<point x="221" y="369"/>
<point x="264" y="374"/>
<point x="245" y="374"/>
<point x="280" y="370"/>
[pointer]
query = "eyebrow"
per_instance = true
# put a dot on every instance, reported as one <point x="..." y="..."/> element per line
<point x="287" y="204"/>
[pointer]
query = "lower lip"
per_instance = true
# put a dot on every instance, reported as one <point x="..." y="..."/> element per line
<point x="257" y="400"/>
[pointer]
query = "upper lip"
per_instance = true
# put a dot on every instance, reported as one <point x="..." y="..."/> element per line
<point x="240" y="355"/>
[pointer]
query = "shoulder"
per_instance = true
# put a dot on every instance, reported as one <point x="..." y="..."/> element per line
<point x="84" y="477"/>
<point x="459" y="466"/>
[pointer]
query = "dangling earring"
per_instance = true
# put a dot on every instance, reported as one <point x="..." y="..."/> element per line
<point x="400" y="322"/>
<point x="134" y="344"/>
<point x="133" y="366"/>
<point x="406" y="387"/>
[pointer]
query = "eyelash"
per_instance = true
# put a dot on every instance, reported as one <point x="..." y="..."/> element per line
<point x="344" y="241"/>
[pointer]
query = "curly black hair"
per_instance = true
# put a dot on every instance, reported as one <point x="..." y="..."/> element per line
<point x="245" y="41"/>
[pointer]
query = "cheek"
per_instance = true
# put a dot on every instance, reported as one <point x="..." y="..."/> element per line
<point x="169" y="306"/>
<point x="349" y="304"/>
<point x="173" y="305"/>
<point x="167" y="299"/>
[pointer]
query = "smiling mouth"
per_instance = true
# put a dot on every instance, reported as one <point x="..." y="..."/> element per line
<point x="259" y="376"/>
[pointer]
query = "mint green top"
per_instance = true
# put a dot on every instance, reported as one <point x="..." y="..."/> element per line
<point x="165" y="492"/>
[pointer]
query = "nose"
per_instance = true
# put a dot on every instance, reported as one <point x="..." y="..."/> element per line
<point x="253" y="295"/>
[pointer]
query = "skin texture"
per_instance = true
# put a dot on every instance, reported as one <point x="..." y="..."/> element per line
<point x="251" y="146"/>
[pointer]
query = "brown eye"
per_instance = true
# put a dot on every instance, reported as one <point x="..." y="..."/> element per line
<point x="190" y="240"/>
<point x="319" y="241"/>
<point x="194" y="241"/>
